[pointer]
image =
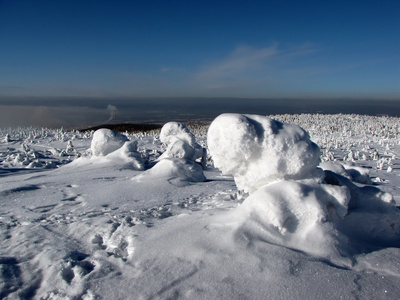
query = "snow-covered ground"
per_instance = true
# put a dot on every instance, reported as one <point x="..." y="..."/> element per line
<point x="149" y="216"/>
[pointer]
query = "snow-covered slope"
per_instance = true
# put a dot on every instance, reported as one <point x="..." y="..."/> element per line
<point x="133" y="224"/>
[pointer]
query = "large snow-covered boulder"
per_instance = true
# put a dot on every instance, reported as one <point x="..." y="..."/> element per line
<point x="181" y="143"/>
<point x="258" y="150"/>
<point x="105" y="141"/>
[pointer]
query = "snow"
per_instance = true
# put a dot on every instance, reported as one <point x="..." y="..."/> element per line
<point x="133" y="223"/>
<point x="173" y="169"/>
<point x="127" y="156"/>
<point x="181" y="143"/>
<point x="258" y="150"/>
<point x="106" y="141"/>
<point x="354" y="173"/>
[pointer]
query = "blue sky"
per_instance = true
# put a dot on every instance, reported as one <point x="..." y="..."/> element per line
<point x="248" y="49"/>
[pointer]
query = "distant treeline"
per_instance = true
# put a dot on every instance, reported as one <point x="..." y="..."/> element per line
<point x="126" y="127"/>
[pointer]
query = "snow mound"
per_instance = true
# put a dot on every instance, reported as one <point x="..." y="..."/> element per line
<point x="114" y="148"/>
<point x="333" y="219"/>
<point x="298" y="215"/>
<point x="128" y="156"/>
<point x="181" y="143"/>
<point x="293" y="203"/>
<point x="173" y="131"/>
<point x="354" y="173"/>
<point x="105" y="141"/>
<point x="175" y="170"/>
<point x="179" y="149"/>
<point x="258" y="150"/>
<point x="373" y="218"/>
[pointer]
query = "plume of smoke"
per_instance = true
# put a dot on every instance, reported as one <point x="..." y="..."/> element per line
<point x="113" y="112"/>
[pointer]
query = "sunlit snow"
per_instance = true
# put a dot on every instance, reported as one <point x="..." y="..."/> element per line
<point x="309" y="212"/>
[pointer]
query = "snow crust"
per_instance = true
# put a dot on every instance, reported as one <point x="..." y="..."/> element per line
<point x="258" y="150"/>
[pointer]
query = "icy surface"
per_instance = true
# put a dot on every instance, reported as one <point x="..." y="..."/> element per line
<point x="78" y="226"/>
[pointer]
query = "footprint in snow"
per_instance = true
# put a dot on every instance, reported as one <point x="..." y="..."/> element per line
<point x="70" y="195"/>
<point x="76" y="265"/>
<point x="117" y="240"/>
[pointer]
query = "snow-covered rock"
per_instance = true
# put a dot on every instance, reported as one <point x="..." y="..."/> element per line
<point x="105" y="141"/>
<point x="258" y="150"/>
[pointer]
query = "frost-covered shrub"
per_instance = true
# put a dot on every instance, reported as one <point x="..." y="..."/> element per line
<point x="105" y="141"/>
<point x="181" y="143"/>
<point x="258" y="150"/>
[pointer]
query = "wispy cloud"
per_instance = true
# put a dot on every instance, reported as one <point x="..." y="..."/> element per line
<point x="248" y="66"/>
<point x="243" y="58"/>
